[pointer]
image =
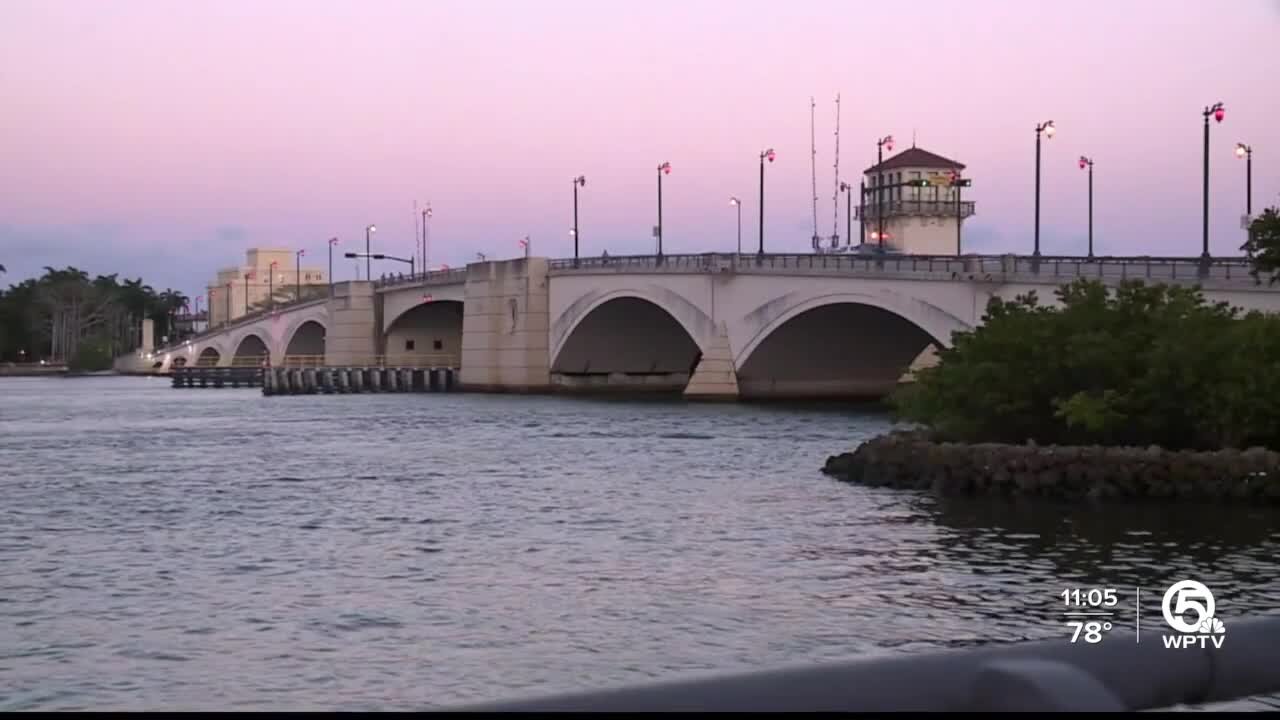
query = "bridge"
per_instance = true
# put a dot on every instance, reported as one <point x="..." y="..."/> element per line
<point x="720" y="326"/>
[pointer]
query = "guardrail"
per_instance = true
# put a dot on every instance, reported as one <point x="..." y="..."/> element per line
<point x="942" y="266"/>
<point x="430" y="277"/>
<point x="1116" y="674"/>
<point x="393" y="360"/>
<point x="239" y="321"/>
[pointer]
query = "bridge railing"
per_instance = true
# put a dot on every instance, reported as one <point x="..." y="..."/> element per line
<point x="943" y="266"/>
<point x="430" y="277"/>
<point x="392" y="360"/>
<point x="240" y="321"/>
<point x="1116" y="674"/>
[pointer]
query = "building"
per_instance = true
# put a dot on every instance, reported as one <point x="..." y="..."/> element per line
<point x="916" y="200"/>
<point x="267" y="272"/>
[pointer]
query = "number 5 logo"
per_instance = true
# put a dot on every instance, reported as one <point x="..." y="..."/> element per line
<point x="1186" y="596"/>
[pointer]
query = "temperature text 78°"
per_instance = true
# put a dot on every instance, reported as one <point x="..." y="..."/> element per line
<point x="1092" y="630"/>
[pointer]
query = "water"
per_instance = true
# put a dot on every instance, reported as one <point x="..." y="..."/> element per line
<point x="168" y="549"/>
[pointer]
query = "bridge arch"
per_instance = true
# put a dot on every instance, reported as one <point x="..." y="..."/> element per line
<point x="846" y="344"/>
<point x="306" y="339"/>
<point x="696" y="323"/>
<point x="251" y="346"/>
<point x="210" y="356"/>
<point x="430" y="328"/>
<point x="628" y="340"/>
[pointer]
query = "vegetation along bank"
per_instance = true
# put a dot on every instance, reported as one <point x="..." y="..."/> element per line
<point x="1129" y="391"/>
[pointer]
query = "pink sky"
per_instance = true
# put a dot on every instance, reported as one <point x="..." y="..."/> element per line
<point x="161" y="139"/>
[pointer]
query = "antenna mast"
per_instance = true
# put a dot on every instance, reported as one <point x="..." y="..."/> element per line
<point x="835" y="190"/>
<point x="813" y="164"/>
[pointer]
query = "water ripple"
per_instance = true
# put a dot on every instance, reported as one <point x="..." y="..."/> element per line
<point x="214" y="550"/>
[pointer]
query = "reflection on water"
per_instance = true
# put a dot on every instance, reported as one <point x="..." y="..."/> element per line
<point x="215" y="549"/>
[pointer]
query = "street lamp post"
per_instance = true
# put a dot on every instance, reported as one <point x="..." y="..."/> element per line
<point x="297" y="259"/>
<point x="407" y="261"/>
<point x="246" y="291"/>
<point x="1217" y="111"/>
<point x="1246" y="152"/>
<point x="426" y="215"/>
<point x="1086" y="162"/>
<point x="1048" y="129"/>
<point x="580" y="181"/>
<point x="663" y="169"/>
<point x="228" y="304"/>
<point x="847" y="189"/>
<point x="735" y="202"/>
<point x="881" y="144"/>
<point x="862" y="212"/>
<point x="332" y="241"/>
<point x="271" y="284"/>
<point x="770" y="155"/>
<point x="958" y="182"/>
<point x="368" y="266"/>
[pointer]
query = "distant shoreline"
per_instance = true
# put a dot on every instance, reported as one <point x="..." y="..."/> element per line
<point x="57" y="371"/>
<point x="32" y="370"/>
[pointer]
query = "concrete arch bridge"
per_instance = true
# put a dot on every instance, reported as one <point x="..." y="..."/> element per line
<point x="713" y="325"/>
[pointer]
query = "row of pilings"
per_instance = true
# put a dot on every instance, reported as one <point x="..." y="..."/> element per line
<point x="199" y="376"/>
<point x="328" y="380"/>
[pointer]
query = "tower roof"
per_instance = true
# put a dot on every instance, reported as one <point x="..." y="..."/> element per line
<point x="915" y="157"/>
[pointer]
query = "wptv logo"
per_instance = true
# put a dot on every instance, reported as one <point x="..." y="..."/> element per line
<point x="1189" y="608"/>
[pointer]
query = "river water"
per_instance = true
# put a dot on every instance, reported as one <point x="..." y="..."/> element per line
<point x="166" y="549"/>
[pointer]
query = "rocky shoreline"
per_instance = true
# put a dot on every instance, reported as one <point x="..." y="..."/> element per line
<point x="911" y="460"/>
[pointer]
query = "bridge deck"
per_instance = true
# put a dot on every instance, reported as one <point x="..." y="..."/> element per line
<point x="1234" y="272"/>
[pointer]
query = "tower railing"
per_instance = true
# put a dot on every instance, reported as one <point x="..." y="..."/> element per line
<point x="910" y="207"/>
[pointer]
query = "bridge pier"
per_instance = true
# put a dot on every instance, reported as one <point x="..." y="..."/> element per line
<point x="506" y="329"/>
<point x="715" y="377"/>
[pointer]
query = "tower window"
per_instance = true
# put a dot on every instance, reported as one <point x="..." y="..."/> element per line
<point x="408" y="344"/>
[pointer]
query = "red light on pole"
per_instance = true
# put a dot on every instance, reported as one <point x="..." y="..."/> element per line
<point x="1219" y="113"/>
<point x="770" y="155"/>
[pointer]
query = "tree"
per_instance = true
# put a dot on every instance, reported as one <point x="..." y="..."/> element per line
<point x="54" y="316"/>
<point x="1263" y="245"/>
<point x="1133" y="365"/>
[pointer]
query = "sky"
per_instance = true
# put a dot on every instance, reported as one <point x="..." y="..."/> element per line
<point x="161" y="140"/>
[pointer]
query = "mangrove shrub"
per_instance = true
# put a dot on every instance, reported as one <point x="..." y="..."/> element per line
<point x="1136" y="364"/>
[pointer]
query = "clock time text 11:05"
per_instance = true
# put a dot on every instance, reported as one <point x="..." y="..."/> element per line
<point x="1092" y="597"/>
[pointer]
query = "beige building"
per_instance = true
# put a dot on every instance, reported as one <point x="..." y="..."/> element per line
<point x="917" y="199"/>
<point x="266" y="272"/>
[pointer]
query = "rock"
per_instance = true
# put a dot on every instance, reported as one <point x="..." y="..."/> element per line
<point x="913" y="460"/>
